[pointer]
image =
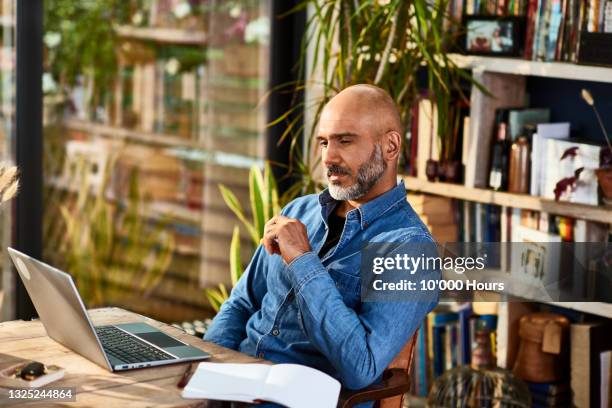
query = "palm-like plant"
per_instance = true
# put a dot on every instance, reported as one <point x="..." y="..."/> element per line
<point x="113" y="248"/>
<point x="264" y="202"/>
<point x="382" y="42"/>
<point x="9" y="182"/>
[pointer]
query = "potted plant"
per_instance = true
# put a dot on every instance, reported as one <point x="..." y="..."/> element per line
<point x="387" y="43"/>
<point x="264" y="202"/>
<point x="604" y="173"/>
<point x="449" y="168"/>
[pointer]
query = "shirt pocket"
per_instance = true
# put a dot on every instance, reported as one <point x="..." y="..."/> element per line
<point x="349" y="287"/>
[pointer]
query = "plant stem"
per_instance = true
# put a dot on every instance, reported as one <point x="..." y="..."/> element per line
<point x="385" y="56"/>
<point x="605" y="132"/>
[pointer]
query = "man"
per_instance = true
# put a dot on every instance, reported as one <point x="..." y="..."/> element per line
<point x="299" y="299"/>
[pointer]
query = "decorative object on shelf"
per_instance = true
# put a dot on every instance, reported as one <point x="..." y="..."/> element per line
<point x="542" y="355"/>
<point x="498" y="176"/>
<point x="265" y="204"/>
<point x="604" y="173"/>
<point x="449" y="171"/>
<point x="431" y="169"/>
<point x="518" y="177"/>
<point x="451" y="107"/>
<point x="480" y="385"/>
<point x="499" y="36"/>
<point x="595" y="49"/>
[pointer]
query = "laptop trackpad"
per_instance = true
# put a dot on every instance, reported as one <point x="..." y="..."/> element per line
<point x="159" y="339"/>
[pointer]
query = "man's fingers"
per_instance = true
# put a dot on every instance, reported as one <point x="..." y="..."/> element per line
<point x="269" y="241"/>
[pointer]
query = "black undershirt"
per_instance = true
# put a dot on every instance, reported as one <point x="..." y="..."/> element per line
<point x="336" y="225"/>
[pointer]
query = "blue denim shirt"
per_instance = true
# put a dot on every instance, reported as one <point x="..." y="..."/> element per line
<point x="310" y="311"/>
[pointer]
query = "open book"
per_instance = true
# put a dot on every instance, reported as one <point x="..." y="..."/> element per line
<point x="291" y="385"/>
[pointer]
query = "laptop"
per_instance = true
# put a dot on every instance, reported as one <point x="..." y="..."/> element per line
<point x="115" y="347"/>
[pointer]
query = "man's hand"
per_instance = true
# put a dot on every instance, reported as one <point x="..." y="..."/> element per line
<point x="287" y="237"/>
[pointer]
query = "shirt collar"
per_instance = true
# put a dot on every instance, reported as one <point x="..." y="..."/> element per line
<point x="371" y="210"/>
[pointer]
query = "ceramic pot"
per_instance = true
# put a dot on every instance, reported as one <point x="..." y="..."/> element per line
<point x="450" y="171"/>
<point x="431" y="169"/>
<point x="535" y="360"/>
<point x="604" y="176"/>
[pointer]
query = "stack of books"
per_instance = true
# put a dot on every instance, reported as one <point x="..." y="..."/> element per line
<point x="437" y="214"/>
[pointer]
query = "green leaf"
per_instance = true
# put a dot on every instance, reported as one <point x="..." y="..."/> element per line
<point x="256" y="196"/>
<point x="232" y="202"/>
<point x="235" y="259"/>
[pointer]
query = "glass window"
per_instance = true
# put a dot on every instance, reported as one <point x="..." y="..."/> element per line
<point x="7" y="155"/>
<point x="144" y="117"/>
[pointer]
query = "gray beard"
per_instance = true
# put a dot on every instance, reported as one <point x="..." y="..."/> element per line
<point x="367" y="176"/>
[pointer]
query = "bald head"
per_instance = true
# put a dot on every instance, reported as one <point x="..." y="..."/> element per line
<point x="368" y="105"/>
<point x="360" y="136"/>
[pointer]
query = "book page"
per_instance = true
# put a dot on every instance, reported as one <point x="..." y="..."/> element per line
<point x="292" y="385"/>
<point x="236" y="382"/>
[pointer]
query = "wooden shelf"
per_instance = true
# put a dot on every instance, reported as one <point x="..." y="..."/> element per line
<point x="527" y="202"/>
<point x="186" y="149"/>
<point x="596" y="308"/>
<point x="117" y="132"/>
<point x="563" y="70"/>
<point x="163" y="35"/>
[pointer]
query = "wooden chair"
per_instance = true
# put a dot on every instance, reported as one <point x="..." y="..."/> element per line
<point x="390" y="392"/>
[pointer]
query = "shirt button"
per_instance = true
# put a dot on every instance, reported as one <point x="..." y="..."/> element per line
<point x="275" y="332"/>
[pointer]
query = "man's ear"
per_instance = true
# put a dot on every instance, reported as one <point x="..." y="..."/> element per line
<point x="392" y="145"/>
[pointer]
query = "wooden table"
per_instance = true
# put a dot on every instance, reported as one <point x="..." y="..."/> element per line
<point x="95" y="386"/>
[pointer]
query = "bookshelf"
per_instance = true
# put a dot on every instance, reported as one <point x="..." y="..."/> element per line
<point x="506" y="78"/>
<point x="163" y="35"/>
<point x="505" y="199"/>
<point x="515" y="66"/>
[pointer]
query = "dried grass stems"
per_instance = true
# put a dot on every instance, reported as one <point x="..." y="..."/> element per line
<point x="9" y="182"/>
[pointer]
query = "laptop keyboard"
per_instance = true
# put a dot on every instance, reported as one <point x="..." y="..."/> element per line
<point x="128" y="348"/>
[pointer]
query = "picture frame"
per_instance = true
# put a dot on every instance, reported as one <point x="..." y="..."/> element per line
<point x="494" y="36"/>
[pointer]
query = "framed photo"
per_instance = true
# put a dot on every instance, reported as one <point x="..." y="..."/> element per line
<point x="535" y="264"/>
<point x="486" y="35"/>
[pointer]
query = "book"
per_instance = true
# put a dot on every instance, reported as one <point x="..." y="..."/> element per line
<point x="605" y="376"/>
<point x="430" y="204"/>
<point x="535" y="264"/>
<point x="586" y="157"/>
<point x="464" y="350"/>
<point x="428" y="146"/>
<point x="587" y="341"/>
<point x="539" y="166"/>
<point x="290" y="385"/>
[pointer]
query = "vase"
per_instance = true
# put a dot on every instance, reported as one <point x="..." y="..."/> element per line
<point x="450" y="171"/>
<point x="543" y="350"/>
<point x="431" y="169"/>
<point x="604" y="176"/>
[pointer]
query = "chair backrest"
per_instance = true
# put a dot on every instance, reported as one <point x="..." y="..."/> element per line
<point x="402" y="361"/>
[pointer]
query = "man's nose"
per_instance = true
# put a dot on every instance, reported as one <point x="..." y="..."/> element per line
<point x="330" y="156"/>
